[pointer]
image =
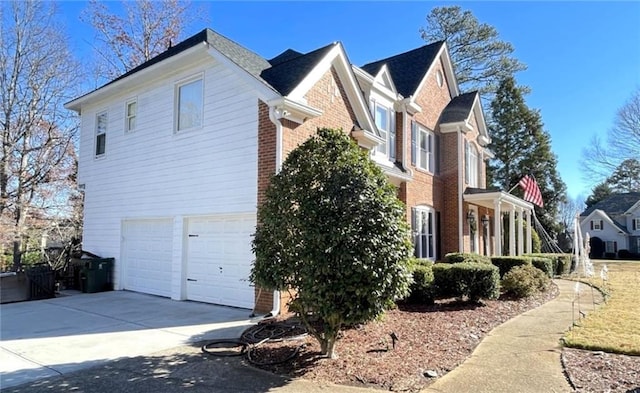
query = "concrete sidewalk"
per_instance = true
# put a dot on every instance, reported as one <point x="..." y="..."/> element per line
<point x="523" y="354"/>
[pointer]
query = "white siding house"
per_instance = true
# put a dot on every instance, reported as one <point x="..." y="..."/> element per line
<point x="163" y="193"/>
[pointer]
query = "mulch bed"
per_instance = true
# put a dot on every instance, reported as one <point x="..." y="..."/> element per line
<point x="431" y="341"/>
<point x="596" y="371"/>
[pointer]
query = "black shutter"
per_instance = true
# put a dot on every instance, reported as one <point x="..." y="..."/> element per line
<point x="633" y="224"/>
<point x="591" y="224"/>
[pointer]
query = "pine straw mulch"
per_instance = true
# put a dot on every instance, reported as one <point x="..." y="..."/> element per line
<point x="432" y="340"/>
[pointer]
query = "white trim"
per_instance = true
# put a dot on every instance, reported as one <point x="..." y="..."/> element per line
<point x="176" y="103"/>
<point x="150" y="72"/>
<point x="96" y="134"/>
<point x="133" y="100"/>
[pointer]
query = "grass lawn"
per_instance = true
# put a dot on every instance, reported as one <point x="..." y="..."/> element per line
<point x="614" y="327"/>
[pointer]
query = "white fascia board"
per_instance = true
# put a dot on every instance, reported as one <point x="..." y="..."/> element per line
<point x="484" y="139"/>
<point x="139" y="77"/>
<point x="388" y="89"/>
<point x="460" y="126"/>
<point x="294" y="111"/>
<point x="337" y="58"/>
<point x="633" y="208"/>
<point x="448" y="70"/>
<point x="409" y="105"/>
<point x="488" y="198"/>
<point x="366" y="139"/>
<point x="264" y="91"/>
<point x="605" y="217"/>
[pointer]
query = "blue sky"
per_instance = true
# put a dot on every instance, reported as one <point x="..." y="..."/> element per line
<point x="583" y="58"/>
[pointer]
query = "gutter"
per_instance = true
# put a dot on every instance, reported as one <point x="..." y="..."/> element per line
<point x="275" y="116"/>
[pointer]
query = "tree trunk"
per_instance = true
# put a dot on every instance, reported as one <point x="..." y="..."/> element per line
<point x="327" y="346"/>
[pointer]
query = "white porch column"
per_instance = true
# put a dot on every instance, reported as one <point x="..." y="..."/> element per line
<point x="529" y="247"/>
<point x="520" y="231"/>
<point x="512" y="230"/>
<point x="497" y="228"/>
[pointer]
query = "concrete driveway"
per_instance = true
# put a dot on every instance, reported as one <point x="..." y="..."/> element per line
<point x="46" y="338"/>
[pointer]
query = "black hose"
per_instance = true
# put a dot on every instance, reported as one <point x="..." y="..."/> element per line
<point x="257" y="335"/>
<point x="207" y="348"/>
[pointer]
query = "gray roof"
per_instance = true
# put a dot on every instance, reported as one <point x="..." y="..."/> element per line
<point x="458" y="108"/>
<point x="615" y="205"/>
<point x="407" y="69"/>
<point x="289" y="70"/>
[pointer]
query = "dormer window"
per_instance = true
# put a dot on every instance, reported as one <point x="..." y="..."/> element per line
<point x="385" y="121"/>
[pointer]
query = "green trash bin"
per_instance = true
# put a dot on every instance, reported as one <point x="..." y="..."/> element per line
<point x="96" y="275"/>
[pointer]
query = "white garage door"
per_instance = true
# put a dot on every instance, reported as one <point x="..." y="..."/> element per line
<point x="219" y="260"/>
<point x="146" y="256"/>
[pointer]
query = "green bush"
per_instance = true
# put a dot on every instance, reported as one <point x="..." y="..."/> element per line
<point x="524" y="281"/>
<point x="543" y="264"/>
<point x="473" y="281"/>
<point x="561" y="262"/>
<point x="421" y="290"/>
<point x="458" y="257"/>
<point x="507" y="263"/>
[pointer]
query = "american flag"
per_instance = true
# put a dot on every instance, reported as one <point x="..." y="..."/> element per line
<point x="531" y="190"/>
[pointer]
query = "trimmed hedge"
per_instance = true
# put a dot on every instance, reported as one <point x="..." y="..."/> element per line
<point x="543" y="264"/>
<point x="524" y="281"/>
<point x="459" y="257"/>
<point x="473" y="281"/>
<point x="507" y="263"/>
<point x="421" y="290"/>
<point x="561" y="262"/>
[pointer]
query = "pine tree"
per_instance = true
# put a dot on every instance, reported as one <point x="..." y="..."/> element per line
<point x="599" y="193"/>
<point x="522" y="146"/>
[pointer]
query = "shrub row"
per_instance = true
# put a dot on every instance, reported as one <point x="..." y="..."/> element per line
<point x="505" y="264"/>
<point x="561" y="262"/>
<point x="473" y="281"/>
<point x="459" y="257"/>
<point x="422" y="288"/>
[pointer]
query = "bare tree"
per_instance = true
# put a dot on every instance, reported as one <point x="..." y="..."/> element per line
<point x="147" y="29"/>
<point x="602" y="157"/>
<point x="480" y="58"/>
<point x="37" y="75"/>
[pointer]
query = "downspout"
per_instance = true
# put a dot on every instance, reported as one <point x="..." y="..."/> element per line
<point x="460" y="185"/>
<point x="273" y="116"/>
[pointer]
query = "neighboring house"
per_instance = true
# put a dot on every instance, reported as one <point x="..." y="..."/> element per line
<point x="613" y="225"/>
<point x="176" y="155"/>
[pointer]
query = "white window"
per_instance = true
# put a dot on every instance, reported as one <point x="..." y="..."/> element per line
<point x="423" y="227"/>
<point x="426" y="150"/>
<point x="635" y="224"/>
<point x="385" y="121"/>
<point x="189" y="106"/>
<point x="471" y="170"/>
<point x="130" y="115"/>
<point x="611" y="247"/>
<point x="101" y="133"/>
<point x="596" y="225"/>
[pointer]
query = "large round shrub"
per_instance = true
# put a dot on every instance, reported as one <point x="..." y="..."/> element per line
<point x="524" y="281"/>
<point x="333" y="229"/>
<point x="422" y="289"/>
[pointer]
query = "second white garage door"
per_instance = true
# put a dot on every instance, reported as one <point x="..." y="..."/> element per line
<point x="146" y="255"/>
<point x="219" y="259"/>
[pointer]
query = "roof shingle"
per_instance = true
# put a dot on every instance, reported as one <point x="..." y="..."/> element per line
<point x="459" y="108"/>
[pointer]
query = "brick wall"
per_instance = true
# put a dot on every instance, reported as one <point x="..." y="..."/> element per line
<point x="328" y="95"/>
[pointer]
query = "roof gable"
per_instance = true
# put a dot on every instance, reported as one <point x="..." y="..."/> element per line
<point x="290" y="70"/>
<point x="599" y="214"/>
<point x="408" y="69"/>
<point x="459" y="109"/>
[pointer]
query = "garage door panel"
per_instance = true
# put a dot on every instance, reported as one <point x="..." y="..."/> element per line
<point x="146" y="256"/>
<point x="219" y="260"/>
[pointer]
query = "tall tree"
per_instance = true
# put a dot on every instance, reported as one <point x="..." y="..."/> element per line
<point x="37" y="75"/>
<point x="147" y="29"/>
<point x="599" y="193"/>
<point x="602" y="157"/>
<point x="480" y="58"/>
<point x="626" y="177"/>
<point x="333" y="229"/>
<point x="522" y="146"/>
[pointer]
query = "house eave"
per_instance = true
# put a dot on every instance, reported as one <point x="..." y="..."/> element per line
<point x="293" y="110"/>
<point x="147" y="73"/>
<point x="366" y="139"/>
